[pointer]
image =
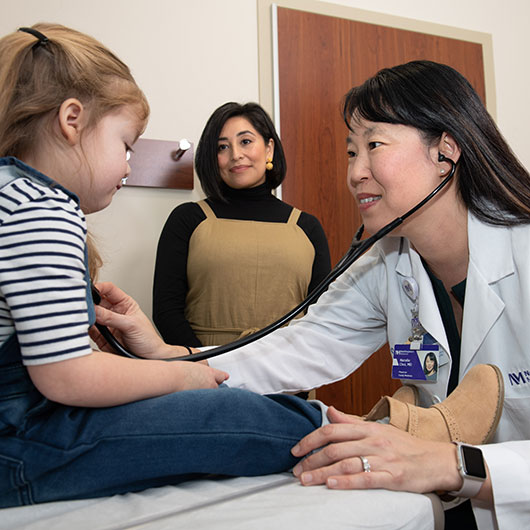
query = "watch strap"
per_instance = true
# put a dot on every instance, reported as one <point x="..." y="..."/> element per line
<point x="471" y="485"/>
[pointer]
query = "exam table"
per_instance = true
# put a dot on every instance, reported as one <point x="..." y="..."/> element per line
<point x="271" y="502"/>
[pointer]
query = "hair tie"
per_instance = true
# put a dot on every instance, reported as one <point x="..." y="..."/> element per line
<point x="43" y="40"/>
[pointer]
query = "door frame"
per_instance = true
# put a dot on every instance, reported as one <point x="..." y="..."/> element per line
<point x="266" y="43"/>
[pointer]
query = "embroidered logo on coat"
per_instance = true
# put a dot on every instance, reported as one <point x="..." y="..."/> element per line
<point x="519" y="378"/>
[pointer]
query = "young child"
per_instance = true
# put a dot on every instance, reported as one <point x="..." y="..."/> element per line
<point x="74" y="422"/>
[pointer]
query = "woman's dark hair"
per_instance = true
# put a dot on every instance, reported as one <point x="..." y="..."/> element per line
<point x="432" y="357"/>
<point x="206" y="163"/>
<point x="434" y="98"/>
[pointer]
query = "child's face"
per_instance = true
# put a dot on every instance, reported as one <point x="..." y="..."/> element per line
<point x="105" y="149"/>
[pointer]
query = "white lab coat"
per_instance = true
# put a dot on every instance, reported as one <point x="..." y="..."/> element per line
<point x="367" y="306"/>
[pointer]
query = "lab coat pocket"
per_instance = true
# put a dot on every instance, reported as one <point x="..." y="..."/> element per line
<point x="517" y="412"/>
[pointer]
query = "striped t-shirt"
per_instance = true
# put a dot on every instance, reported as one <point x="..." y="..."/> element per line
<point x="42" y="271"/>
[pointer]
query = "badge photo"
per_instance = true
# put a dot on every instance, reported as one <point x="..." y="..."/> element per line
<point x="418" y="362"/>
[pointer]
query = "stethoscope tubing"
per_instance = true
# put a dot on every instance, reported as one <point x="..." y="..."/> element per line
<point x="357" y="248"/>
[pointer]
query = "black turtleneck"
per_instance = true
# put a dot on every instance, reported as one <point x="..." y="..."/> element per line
<point x="170" y="281"/>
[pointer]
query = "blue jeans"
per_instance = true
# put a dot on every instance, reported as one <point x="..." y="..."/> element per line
<point x="61" y="452"/>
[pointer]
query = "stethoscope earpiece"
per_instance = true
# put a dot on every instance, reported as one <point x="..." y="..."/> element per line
<point x="443" y="158"/>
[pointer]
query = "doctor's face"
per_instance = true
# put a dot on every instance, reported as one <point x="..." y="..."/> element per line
<point x="390" y="170"/>
<point x="429" y="364"/>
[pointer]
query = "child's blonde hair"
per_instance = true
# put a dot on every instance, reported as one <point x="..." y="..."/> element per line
<point x="36" y="76"/>
<point x="43" y="66"/>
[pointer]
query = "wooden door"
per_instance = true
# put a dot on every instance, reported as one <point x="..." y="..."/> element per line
<point x="320" y="59"/>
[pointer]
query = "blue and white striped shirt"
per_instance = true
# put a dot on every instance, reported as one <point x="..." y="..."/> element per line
<point x="42" y="271"/>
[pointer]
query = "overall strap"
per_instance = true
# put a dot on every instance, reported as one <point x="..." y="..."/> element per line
<point x="207" y="210"/>
<point x="293" y="218"/>
<point x="6" y="176"/>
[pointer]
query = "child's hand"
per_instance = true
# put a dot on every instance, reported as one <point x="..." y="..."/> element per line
<point x="198" y="375"/>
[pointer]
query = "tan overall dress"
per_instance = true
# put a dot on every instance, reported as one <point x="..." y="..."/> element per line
<point x="244" y="275"/>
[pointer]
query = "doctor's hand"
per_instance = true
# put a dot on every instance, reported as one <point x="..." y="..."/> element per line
<point x="124" y="318"/>
<point x="397" y="460"/>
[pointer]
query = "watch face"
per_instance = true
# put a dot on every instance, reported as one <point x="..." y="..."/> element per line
<point x="473" y="461"/>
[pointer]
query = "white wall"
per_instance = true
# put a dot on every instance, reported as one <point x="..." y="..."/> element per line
<point x="190" y="56"/>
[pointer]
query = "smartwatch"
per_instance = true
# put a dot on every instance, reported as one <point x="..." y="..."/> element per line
<point x="471" y="468"/>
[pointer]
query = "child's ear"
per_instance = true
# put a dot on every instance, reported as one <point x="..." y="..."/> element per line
<point x="71" y="118"/>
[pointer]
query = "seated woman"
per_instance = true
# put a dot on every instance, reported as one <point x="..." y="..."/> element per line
<point x="239" y="260"/>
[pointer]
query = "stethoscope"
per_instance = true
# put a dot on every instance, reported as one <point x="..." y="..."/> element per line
<point x="357" y="248"/>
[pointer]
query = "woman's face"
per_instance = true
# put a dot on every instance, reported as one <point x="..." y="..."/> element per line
<point x="242" y="154"/>
<point x="390" y="170"/>
<point x="429" y="364"/>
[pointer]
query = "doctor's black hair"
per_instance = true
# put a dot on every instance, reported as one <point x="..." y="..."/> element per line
<point x="206" y="163"/>
<point x="435" y="98"/>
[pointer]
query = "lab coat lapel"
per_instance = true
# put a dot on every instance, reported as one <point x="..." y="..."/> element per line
<point x="409" y="265"/>
<point x="490" y="260"/>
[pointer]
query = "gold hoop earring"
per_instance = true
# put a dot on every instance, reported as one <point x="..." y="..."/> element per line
<point x="269" y="165"/>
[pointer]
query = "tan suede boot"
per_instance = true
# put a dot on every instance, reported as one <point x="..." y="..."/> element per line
<point x="470" y="414"/>
<point x="407" y="394"/>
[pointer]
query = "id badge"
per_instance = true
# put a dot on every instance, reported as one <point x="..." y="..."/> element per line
<point x="418" y="362"/>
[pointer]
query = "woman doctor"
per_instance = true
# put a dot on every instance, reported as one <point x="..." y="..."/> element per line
<point x="466" y="254"/>
<point x="464" y="262"/>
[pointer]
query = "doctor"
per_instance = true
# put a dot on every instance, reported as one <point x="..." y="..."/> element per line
<point x="461" y="264"/>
